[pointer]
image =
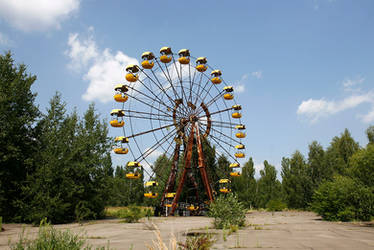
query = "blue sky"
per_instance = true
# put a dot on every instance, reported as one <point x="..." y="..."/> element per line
<point x="304" y="68"/>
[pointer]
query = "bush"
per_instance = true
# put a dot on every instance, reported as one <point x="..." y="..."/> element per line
<point x="201" y="241"/>
<point x="275" y="205"/>
<point x="1" y="223"/>
<point x="50" y="238"/>
<point x="344" y="199"/>
<point x="227" y="211"/>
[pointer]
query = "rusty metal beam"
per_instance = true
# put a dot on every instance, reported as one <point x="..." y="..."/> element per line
<point x="201" y="164"/>
<point x="187" y="167"/>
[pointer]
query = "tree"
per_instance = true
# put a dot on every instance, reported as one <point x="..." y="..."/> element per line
<point x="245" y="185"/>
<point x="18" y="142"/>
<point x="73" y="167"/>
<point x="317" y="170"/>
<point x="370" y="134"/>
<point x="362" y="164"/>
<point x="269" y="188"/>
<point x="297" y="185"/>
<point x="338" y="153"/>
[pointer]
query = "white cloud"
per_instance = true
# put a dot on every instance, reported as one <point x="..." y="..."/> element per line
<point x="352" y="84"/>
<point x="314" y="109"/>
<point x="103" y="68"/>
<point x="30" y="15"/>
<point x="239" y="87"/>
<point x="257" y="74"/>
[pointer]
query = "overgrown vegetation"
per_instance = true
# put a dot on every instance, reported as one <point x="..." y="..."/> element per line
<point x="275" y="205"/>
<point x="227" y="211"/>
<point x="50" y="238"/>
<point x="199" y="241"/>
<point x="130" y="214"/>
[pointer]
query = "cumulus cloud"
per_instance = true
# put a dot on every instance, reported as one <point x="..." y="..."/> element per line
<point x="257" y="74"/>
<point x="314" y="109"/>
<point x="37" y="15"/>
<point x="103" y="68"/>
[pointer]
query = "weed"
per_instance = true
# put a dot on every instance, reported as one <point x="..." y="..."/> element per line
<point x="50" y="238"/>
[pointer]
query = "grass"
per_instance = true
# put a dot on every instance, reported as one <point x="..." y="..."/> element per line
<point x="130" y="214"/>
<point x="50" y="238"/>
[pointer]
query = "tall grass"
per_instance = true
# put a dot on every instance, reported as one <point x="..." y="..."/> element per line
<point x="51" y="238"/>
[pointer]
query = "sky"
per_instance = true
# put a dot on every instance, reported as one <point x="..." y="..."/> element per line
<point x="303" y="70"/>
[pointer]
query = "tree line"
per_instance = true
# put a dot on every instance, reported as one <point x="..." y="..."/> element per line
<point x="57" y="165"/>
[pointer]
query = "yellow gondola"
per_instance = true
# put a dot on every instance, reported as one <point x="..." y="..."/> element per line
<point x="240" y="135"/>
<point x="228" y="96"/>
<point x="228" y="89"/>
<point x="240" y="127"/>
<point x="135" y="173"/>
<point x="184" y="56"/>
<point x="234" y="166"/>
<point x="119" y="140"/>
<point x="134" y="164"/>
<point x="121" y="151"/>
<point x="239" y="155"/>
<point x="237" y="107"/>
<point x="235" y="174"/>
<point x="149" y="189"/>
<point x="240" y="146"/>
<point x="192" y="207"/>
<point x="200" y="64"/>
<point x="165" y="54"/>
<point x="116" y="114"/>
<point x="169" y="195"/>
<point x="236" y="115"/>
<point x="120" y="90"/>
<point x="216" y="76"/>
<point x="132" y="75"/>
<point x="224" y="186"/>
<point x="147" y="62"/>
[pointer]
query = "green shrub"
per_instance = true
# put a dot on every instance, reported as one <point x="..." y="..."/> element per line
<point x="1" y="223"/>
<point x="275" y="205"/>
<point x="201" y="241"/>
<point x="50" y="238"/>
<point x="227" y="211"/>
<point x="344" y="199"/>
<point x="131" y="214"/>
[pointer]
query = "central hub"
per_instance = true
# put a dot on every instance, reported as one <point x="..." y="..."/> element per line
<point x="193" y="118"/>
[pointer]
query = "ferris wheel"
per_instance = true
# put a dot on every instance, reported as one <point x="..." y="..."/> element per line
<point x="168" y="106"/>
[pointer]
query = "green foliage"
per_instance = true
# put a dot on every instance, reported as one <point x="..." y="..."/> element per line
<point x="268" y="186"/>
<point x="227" y="211"/>
<point x="370" y="134"/>
<point x="73" y="167"/>
<point x="130" y="214"/>
<point x="275" y="205"/>
<point x="245" y="185"/>
<point x="201" y="241"/>
<point x="1" y="223"/>
<point x="338" y="154"/>
<point x="362" y="165"/>
<point x="296" y="182"/>
<point x="50" y="238"/>
<point x="18" y="137"/>
<point x="344" y="199"/>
